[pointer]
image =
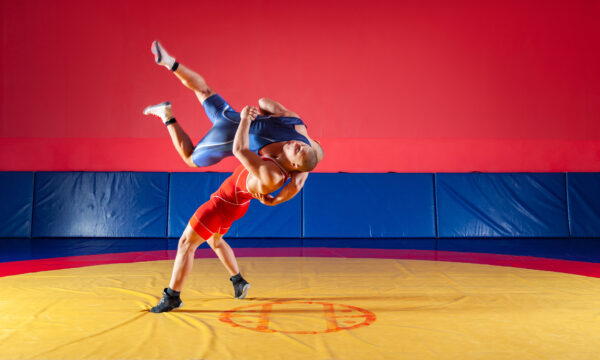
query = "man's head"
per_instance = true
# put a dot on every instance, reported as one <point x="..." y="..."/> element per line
<point x="301" y="156"/>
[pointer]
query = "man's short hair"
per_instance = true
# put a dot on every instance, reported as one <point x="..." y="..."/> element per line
<point x="309" y="162"/>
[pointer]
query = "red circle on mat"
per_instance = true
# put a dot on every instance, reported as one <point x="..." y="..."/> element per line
<point x="282" y="316"/>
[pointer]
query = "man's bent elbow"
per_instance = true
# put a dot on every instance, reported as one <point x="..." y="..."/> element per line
<point x="238" y="152"/>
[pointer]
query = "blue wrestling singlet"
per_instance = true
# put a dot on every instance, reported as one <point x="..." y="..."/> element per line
<point x="218" y="142"/>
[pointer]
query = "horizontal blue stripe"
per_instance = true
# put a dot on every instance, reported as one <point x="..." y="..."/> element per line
<point x="30" y="249"/>
<point x="565" y="249"/>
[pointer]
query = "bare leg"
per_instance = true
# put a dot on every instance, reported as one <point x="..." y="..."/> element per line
<point x="225" y="254"/>
<point x="188" y="243"/>
<point x="182" y="143"/>
<point x="181" y="140"/>
<point x="194" y="82"/>
<point x="188" y="77"/>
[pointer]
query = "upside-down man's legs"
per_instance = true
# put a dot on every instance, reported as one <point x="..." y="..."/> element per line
<point x="181" y="141"/>
<point x="193" y="81"/>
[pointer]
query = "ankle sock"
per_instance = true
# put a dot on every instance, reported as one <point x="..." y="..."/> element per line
<point x="236" y="278"/>
<point x="172" y="292"/>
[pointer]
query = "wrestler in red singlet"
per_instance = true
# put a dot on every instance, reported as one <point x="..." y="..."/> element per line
<point x="229" y="203"/>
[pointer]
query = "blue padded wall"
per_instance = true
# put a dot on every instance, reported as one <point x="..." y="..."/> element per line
<point x="16" y="198"/>
<point x="190" y="190"/>
<point x="283" y="220"/>
<point x="358" y="206"/>
<point x="501" y="205"/>
<point x="584" y="204"/>
<point x="187" y="191"/>
<point x="369" y="205"/>
<point x="100" y="204"/>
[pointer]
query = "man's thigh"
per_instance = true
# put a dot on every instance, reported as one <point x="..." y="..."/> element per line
<point x="217" y="110"/>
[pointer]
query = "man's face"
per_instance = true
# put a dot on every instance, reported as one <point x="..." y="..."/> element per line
<point x="296" y="151"/>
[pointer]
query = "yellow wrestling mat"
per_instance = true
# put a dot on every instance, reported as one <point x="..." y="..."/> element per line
<point x="303" y="308"/>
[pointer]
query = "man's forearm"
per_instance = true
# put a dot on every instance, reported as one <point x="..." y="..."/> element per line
<point x="241" y="140"/>
<point x="287" y="193"/>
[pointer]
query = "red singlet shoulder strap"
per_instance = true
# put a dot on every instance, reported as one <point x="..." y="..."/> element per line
<point x="285" y="174"/>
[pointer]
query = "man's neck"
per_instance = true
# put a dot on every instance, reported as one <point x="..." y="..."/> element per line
<point x="273" y="150"/>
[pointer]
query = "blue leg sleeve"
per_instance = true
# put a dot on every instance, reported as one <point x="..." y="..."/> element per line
<point x="218" y="142"/>
<point x="216" y="145"/>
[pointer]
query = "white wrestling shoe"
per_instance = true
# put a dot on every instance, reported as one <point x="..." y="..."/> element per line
<point x="161" y="56"/>
<point x="162" y="111"/>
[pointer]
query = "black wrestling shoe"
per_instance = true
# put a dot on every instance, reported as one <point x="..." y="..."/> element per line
<point x="240" y="286"/>
<point x="167" y="303"/>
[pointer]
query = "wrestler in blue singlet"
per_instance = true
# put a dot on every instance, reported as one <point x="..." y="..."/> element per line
<point x="264" y="130"/>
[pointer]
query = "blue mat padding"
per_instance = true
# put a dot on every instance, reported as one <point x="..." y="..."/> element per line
<point x="412" y="244"/>
<point x="584" y="250"/>
<point x="55" y="247"/>
<point x="238" y="243"/>
<point x="584" y="204"/>
<point x="369" y="206"/>
<point x="56" y="214"/>
<point x="501" y="205"/>
<point x="16" y="199"/>
<point x="549" y="248"/>
<point x="187" y="191"/>
<point x="15" y="249"/>
<point x="45" y="248"/>
<point x="100" y="204"/>
<point x="552" y="248"/>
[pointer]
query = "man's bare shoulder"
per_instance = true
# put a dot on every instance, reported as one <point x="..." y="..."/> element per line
<point x="286" y="113"/>
<point x="271" y="175"/>
<point x="289" y="113"/>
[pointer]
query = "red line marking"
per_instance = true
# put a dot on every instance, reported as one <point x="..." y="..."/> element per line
<point x="332" y="324"/>
<point x="367" y="317"/>
<point x="263" y="320"/>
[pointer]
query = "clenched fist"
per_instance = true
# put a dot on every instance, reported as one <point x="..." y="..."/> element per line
<point x="249" y="113"/>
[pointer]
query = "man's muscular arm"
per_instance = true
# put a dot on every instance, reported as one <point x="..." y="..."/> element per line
<point x="272" y="107"/>
<point x="267" y="173"/>
<point x="288" y="191"/>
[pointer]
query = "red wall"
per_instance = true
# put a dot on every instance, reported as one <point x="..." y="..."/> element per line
<point x="405" y="86"/>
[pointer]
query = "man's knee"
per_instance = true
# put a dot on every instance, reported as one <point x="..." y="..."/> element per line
<point x="215" y="241"/>
<point x="190" y="162"/>
<point x="203" y="94"/>
<point x="189" y="240"/>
